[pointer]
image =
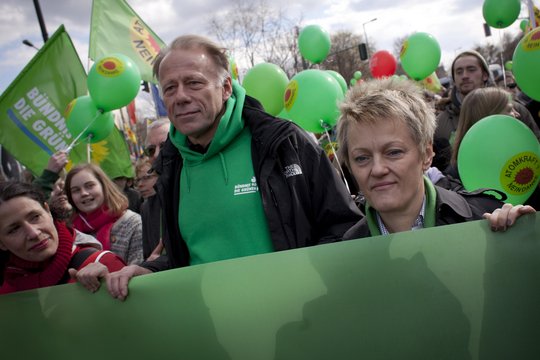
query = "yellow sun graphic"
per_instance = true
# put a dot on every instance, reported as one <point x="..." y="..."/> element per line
<point x="98" y="153"/>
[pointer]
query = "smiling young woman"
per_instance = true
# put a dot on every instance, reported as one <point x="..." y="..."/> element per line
<point x="101" y="210"/>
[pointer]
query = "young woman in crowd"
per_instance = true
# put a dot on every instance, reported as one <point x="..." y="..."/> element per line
<point x="37" y="251"/>
<point x="385" y="136"/>
<point x="100" y="209"/>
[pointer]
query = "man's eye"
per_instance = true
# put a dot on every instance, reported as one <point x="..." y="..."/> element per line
<point x="168" y="90"/>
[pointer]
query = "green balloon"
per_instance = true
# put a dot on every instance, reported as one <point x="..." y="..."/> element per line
<point x="311" y="96"/>
<point x="341" y="81"/>
<point x="501" y="13"/>
<point x="82" y="112"/>
<point x="500" y="152"/>
<point x="357" y="75"/>
<point x="266" y="82"/>
<point x="420" y="55"/>
<point x="314" y="43"/>
<point x="526" y="64"/>
<point x="353" y="81"/>
<point x="523" y="25"/>
<point x="113" y="82"/>
<point x="508" y="65"/>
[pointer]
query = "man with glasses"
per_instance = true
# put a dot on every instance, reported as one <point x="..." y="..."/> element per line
<point x="156" y="134"/>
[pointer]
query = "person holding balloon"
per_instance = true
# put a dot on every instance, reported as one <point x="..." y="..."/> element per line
<point x="101" y="209"/>
<point x="485" y="103"/>
<point x="233" y="180"/>
<point x="469" y="71"/>
<point x="385" y="136"/>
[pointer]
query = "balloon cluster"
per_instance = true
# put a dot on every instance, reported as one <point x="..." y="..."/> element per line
<point x="500" y="152"/>
<point x="356" y="77"/>
<point x="113" y="82"/>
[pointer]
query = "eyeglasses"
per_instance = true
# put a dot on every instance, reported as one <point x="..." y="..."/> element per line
<point x="150" y="150"/>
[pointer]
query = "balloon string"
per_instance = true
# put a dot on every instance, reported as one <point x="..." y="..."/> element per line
<point x="501" y="40"/>
<point x="70" y="147"/>
<point x="326" y="127"/>
<point x="88" y="148"/>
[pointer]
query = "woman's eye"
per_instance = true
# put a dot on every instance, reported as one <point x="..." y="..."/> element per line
<point x="395" y="152"/>
<point x="13" y="230"/>
<point x="361" y="159"/>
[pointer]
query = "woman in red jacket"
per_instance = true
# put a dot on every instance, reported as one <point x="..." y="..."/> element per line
<point x="37" y="251"/>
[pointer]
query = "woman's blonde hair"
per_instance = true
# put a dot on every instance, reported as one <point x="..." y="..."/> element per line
<point x="113" y="198"/>
<point x="383" y="99"/>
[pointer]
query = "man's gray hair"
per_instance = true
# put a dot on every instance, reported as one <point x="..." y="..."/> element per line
<point x="189" y="42"/>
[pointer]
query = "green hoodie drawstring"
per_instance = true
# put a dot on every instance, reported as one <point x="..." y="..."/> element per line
<point x="224" y="167"/>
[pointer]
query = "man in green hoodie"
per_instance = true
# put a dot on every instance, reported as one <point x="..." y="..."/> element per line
<point x="233" y="180"/>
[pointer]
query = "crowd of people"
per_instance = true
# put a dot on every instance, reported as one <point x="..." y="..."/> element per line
<point x="223" y="179"/>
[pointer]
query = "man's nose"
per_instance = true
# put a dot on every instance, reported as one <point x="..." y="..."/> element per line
<point x="181" y="94"/>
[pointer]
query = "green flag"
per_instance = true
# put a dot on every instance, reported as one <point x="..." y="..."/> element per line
<point x="32" y="125"/>
<point x="116" y="28"/>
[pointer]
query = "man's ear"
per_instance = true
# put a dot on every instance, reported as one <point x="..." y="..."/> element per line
<point x="227" y="88"/>
<point x="428" y="157"/>
<point x="485" y="76"/>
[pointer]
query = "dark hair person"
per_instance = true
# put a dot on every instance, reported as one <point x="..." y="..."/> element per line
<point x="37" y="251"/>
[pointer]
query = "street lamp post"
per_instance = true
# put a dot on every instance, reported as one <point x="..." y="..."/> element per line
<point x="365" y="34"/>
<point x="30" y="44"/>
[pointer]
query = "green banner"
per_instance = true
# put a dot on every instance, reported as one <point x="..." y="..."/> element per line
<point x="32" y="125"/>
<point x="451" y="292"/>
<point x="116" y="28"/>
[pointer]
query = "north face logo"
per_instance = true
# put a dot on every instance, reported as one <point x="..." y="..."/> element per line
<point x="292" y="170"/>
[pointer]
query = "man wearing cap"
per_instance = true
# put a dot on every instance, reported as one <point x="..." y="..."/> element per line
<point x="469" y="71"/>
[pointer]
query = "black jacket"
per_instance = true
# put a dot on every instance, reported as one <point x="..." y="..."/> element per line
<point x="450" y="208"/>
<point x="305" y="201"/>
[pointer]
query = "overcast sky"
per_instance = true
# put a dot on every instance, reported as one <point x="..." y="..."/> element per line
<point x="456" y="24"/>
